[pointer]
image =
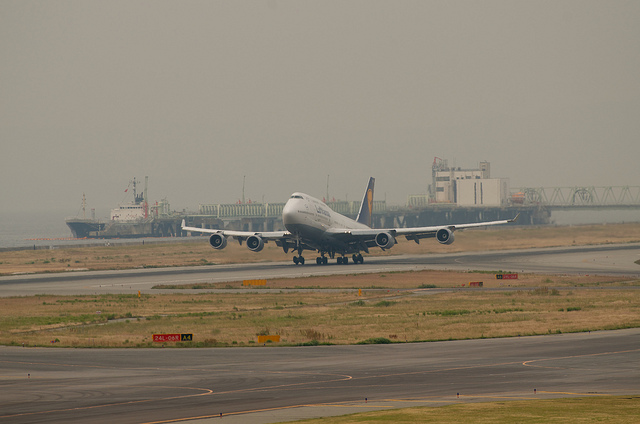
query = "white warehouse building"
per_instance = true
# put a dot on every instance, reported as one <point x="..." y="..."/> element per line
<point x="468" y="187"/>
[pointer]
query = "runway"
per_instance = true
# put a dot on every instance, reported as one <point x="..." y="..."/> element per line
<point x="263" y="385"/>
<point x="267" y="384"/>
<point x="604" y="260"/>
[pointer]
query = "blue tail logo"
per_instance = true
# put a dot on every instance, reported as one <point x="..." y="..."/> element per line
<point x="366" y="208"/>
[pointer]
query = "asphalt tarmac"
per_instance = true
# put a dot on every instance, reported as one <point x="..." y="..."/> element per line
<point x="604" y="260"/>
<point x="266" y="384"/>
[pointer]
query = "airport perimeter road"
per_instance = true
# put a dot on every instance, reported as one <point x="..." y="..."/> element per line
<point x="603" y="260"/>
<point x="265" y="384"/>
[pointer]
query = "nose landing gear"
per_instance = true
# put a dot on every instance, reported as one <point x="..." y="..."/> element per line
<point x="298" y="259"/>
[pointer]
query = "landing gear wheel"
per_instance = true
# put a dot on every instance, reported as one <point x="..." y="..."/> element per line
<point x="298" y="260"/>
<point x="358" y="259"/>
<point x="321" y="260"/>
<point x="343" y="260"/>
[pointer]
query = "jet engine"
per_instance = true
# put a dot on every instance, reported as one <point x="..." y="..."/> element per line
<point x="255" y="243"/>
<point x="218" y="241"/>
<point x="385" y="240"/>
<point x="445" y="236"/>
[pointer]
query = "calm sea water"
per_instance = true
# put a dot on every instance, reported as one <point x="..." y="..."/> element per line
<point x="17" y="229"/>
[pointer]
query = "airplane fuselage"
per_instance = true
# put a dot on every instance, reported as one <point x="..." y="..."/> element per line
<point x="309" y="218"/>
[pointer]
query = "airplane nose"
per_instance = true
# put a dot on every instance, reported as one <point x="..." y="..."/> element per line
<point x="294" y="213"/>
<point x="288" y="213"/>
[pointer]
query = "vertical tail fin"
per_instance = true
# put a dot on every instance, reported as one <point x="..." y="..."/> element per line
<point x="366" y="207"/>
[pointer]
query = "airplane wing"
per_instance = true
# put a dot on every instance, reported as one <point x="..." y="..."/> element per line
<point x="240" y="235"/>
<point x="444" y="233"/>
<point x="255" y="239"/>
<point x="418" y="233"/>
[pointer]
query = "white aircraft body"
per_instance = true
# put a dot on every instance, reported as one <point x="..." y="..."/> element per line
<point x="311" y="225"/>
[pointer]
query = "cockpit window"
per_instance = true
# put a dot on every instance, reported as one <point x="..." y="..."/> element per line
<point x="296" y="196"/>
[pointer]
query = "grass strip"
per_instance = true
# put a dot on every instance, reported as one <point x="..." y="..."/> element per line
<point x="606" y="409"/>
<point x="333" y="317"/>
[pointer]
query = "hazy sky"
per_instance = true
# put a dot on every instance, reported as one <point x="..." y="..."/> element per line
<point x="198" y="94"/>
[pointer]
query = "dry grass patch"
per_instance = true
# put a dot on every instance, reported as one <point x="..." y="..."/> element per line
<point x="340" y="317"/>
<point x="609" y="409"/>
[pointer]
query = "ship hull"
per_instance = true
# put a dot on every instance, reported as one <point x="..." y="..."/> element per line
<point x="149" y="228"/>
<point x="82" y="228"/>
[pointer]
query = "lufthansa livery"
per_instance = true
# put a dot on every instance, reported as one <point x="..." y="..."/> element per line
<point x="311" y="225"/>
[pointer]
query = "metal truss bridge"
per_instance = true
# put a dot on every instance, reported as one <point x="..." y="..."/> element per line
<point x="579" y="197"/>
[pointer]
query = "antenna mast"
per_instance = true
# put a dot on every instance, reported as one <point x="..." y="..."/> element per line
<point x="146" y="197"/>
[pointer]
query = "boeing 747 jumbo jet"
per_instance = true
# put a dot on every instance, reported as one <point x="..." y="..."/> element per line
<point x="312" y="225"/>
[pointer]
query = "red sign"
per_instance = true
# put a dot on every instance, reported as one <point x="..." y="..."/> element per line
<point x="161" y="338"/>
<point x="506" y="276"/>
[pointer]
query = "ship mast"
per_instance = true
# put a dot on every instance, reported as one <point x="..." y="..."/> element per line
<point x="146" y="197"/>
<point x="135" y="195"/>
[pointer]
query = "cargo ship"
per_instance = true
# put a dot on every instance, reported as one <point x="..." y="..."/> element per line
<point x="135" y="219"/>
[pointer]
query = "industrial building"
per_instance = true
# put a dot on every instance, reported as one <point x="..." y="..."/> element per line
<point x="467" y="187"/>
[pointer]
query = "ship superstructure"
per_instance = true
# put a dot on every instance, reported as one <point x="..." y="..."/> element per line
<point x="136" y="210"/>
<point x="130" y="219"/>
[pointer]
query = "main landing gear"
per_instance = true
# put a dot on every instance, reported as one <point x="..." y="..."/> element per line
<point x="357" y="259"/>
<point x="323" y="260"/>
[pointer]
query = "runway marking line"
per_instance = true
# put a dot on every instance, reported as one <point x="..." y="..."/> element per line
<point x="366" y="405"/>
<point x="416" y="400"/>
<point x="346" y="378"/>
<point x="199" y="369"/>
<point x="317" y="405"/>
<point x="577" y="394"/>
<point x="262" y="410"/>
<point x="206" y="392"/>
<point x="528" y="363"/>
<point x="500" y="397"/>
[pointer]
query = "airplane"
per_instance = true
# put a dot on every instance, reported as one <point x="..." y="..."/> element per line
<point x="311" y="225"/>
